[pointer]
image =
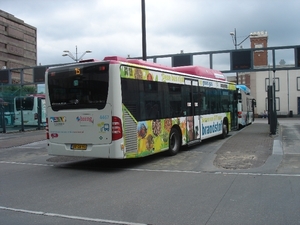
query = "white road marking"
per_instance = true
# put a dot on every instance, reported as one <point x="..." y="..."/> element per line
<point x="70" y="217"/>
<point x="172" y="171"/>
<point x="29" y="164"/>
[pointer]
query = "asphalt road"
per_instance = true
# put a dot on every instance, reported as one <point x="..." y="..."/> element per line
<point x="184" y="189"/>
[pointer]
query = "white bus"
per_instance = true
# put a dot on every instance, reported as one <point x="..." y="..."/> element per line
<point x="29" y="107"/>
<point x="129" y="108"/>
<point x="245" y="106"/>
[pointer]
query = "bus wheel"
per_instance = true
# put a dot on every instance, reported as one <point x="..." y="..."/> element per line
<point x="224" y="130"/>
<point x="174" y="142"/>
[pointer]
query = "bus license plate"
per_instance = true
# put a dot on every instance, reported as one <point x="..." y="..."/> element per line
<point x="78" y="146"/>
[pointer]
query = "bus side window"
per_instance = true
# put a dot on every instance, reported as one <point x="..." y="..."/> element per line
<point x="153" y="110"/>
<point x="176" y="110"/>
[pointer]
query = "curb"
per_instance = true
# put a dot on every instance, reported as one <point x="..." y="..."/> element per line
<point x="277" y="143"/>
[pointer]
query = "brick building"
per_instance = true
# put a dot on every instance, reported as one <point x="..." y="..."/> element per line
<point x="259" y="40"/>
<point x="18" y="46"/>
<point x="287" y="82"/>
<point x="260" y="58"/>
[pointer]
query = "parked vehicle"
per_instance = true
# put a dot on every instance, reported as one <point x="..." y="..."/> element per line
<point x="8" y="118"/>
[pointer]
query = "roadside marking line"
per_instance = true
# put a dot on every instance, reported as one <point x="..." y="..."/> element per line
<point x="218" y="172"/>
<point x="172" y="171"/>
<point x="166" y="171"/>
<point x="69" y="217"/>
<point x="30" y="147"/>
<point x="29" y="164"/>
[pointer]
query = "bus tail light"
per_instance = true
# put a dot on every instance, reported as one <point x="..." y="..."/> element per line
<point x="239" y="114"/>
<point x="117" y="132"/>
<point x="47" y="129"/>
<point x="35" y="116"/>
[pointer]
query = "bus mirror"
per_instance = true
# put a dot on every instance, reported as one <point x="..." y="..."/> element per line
<point x="253" y="103"/>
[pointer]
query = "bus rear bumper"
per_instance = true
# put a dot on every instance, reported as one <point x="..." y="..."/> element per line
<point x="92" y="151"/>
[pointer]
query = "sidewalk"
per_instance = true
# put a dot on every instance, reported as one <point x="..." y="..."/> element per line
<point x="253" y="150"/>
<point x="290" y="142"/>
<point x="247" y="148"/>
<point x="8" y="140"/>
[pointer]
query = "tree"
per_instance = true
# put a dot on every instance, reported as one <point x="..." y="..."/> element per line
<point x="282" y="62"/>
<point x="8" y="92"/>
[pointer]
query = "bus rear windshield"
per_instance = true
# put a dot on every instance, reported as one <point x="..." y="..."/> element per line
<point x="78" y="87"/>
<point x="25" y="102"/>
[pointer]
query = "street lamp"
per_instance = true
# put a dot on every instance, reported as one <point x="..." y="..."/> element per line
<point x="76" y="59"/>
<point x="144" y="48"/>
<point x="236" y="44"/>
<point x="234" y="38"/>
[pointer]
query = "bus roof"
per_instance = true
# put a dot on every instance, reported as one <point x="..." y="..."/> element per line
<point x="192" y="70"/>
<point x="37" y="95"/>
<point x="201" y="71"/>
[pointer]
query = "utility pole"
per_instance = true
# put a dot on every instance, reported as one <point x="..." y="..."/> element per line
<point x="144" y="31"/>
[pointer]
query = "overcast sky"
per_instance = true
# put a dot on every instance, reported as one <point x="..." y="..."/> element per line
<point x="113" y="27"/>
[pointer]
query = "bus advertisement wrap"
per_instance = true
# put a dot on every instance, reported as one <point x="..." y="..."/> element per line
<point x="211" y="125"/>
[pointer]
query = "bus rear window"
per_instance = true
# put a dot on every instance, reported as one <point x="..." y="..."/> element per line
<point x="78" y="87"/>
<point x="25" y="102"/>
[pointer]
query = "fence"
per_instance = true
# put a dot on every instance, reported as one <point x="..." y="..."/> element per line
<point x="20" y="110"/>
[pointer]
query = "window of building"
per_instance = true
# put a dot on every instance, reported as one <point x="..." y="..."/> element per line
<point x="258" y="46"/>
<point x="270" y="82"/>
<point x="298" y="83"/>
<point x="277" y="99"/>
<point x="277" y="102"/>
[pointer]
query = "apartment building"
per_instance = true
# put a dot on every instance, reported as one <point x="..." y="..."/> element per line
<point x="18" y="46"/>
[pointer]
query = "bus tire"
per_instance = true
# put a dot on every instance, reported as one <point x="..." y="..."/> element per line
<point x="224" y="129"/>
<point x="174" y="142"/>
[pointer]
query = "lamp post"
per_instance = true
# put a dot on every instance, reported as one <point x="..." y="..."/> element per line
<point x="75" y="58"/>
<point x="144" y="48"/>
<point x="234" y="38"/>
<point x="236" y="44"/>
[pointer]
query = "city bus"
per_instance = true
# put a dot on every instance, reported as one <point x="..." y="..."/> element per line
<point x="245" y="106"/>
<point x="31" y="106"/>
<point x="122" y="108"/>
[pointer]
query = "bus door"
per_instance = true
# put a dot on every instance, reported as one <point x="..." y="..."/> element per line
<point x="193" y="118"/>
<point x="234" y="109"/>
<point x="43" y="110"/>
